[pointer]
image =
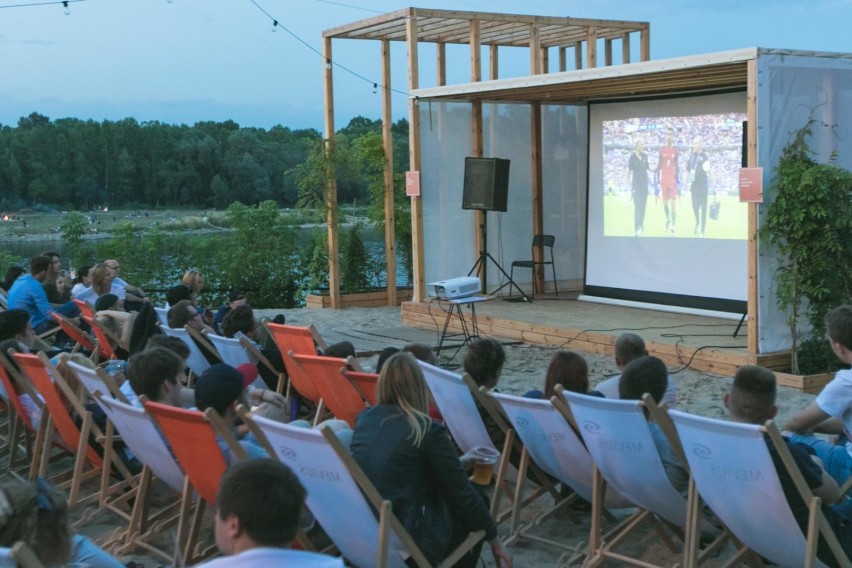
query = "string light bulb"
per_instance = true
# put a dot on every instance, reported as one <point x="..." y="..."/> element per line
<point x="274" y="26"/>
<point x="67" y="9"/>
<point x="328" y="63"/>
<point x="375" y="88"/>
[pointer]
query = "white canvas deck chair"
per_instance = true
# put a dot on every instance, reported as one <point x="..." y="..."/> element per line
<point x="162" y="316"/>
<point x="556" y="449"/>
<point x="335" y="483"/>
<point x="197" y="362"/>
<point x="236" y="352"/>
<point x="620" y="442"/>
<point x="454" y="399"/>
<point x="736" y="476"/>
<point x="149" y="447"/>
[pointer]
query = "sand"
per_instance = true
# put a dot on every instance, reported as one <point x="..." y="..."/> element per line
<point x="699" y="393"/>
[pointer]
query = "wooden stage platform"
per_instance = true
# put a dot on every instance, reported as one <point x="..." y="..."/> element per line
<point x="704" y="343"/>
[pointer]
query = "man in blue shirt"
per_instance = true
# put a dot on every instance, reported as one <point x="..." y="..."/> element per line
<point x="28" y="294"/>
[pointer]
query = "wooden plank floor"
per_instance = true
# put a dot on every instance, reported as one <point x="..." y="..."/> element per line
<point x="706" y="343"/>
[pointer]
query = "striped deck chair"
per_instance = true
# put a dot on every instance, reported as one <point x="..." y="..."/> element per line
<point x="336" y="483"/>
<point x="736" y="475"/>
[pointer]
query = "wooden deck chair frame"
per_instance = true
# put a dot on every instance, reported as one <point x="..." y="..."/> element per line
<point x="338" y="395"/>
<point x="703" y="453"/>
<point x="150" y="449"/>
<point x="388" y="526"/>
<point x="97" y="379"/>
<point x="197" y="362"/>
<point x="85" y="308"/>
<point x="652" y="506"/>
<point x="21" y="426"/>
<point x="364" y="383"/>
<point x="543" y="428"/>
<point x="221" y="344"/>
<point x="87" y="463"/>
<point x="104" y="338"/>
<point x="192" y="437"/>
<point x="263" y="360"/>
<point x="82" y="339"/>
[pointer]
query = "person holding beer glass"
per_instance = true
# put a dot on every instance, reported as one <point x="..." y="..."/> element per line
<point x="413" y="464"/>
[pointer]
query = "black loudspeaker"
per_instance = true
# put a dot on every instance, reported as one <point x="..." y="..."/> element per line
<point x="486" y="184"/>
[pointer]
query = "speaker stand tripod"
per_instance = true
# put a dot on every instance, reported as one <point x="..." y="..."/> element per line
<point x="482" y="263"/>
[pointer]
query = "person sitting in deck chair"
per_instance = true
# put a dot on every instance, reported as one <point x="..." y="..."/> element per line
<point x="831" y="411"/>
<point x="649" y="375"/>
<point x="159" y="374"/>
<point x="752" y="401"/>
<point x="629" y="346"/>
<point x="257" y="515"/>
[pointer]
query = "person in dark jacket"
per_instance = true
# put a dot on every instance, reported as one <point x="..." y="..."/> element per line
<point x="413" y="464"/>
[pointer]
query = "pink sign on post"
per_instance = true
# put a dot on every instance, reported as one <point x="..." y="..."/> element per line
<point x="412" y="184"/>
<point x="751" y="185"/>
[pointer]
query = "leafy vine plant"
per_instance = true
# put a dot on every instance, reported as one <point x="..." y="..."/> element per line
<point x="810" y="223"/>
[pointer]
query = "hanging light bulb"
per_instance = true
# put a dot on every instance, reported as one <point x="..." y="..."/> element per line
<point x="328" y="63"/>
<point x="67" y="9"/>
<point x="375" y="88"/>
<point x="274" y="26"/>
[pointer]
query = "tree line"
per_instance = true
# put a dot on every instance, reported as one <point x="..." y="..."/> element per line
<point x="80" y="164"/>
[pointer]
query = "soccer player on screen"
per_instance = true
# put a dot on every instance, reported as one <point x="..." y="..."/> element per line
<point x="697" y="168"/>
<point x="667" y="172"/>
<point x="637" y="175"/>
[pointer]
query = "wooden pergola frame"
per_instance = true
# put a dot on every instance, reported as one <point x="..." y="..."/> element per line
<point x="414" y="26"/>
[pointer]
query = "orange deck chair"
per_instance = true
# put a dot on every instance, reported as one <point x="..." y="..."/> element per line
<point x="104" y="347"/>
<point x="299" y="340"/>
<point x="82" y="339"/>
<point x="21" y="425"/>
<point x="341" y="398"/>
<point x="85" y="308"/>
<point x="364" y="383"/>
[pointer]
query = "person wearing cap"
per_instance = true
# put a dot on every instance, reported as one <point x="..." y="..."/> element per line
<point x="221" y="387"/>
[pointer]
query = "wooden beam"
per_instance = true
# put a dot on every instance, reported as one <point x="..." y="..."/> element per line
<point x="645" y="43"/>
<point x="331" y="181"/>
<point x="537" y="188"/>
<point x="535" y="51"/>
<point x="752" y="343"/>
<point x="563" y="61"/>
<point x="545" y="60"/>
<point x="441" y="63"/>
<point x="608" y="52"/>
<point x="625" y="48"/>
<point x="578" y="55"/>
<point x="493" y="63"/>
<point x="479" y="217"/>
<point x="390" y="207"/>
<point x="418" y="261"/>
<point x="592" y="49"/>
<point x="475" y="53"/>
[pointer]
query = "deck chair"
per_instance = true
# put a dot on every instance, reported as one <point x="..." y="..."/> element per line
<point x="236" y="352"/>
<point x="21" y="426"/>
<point x="192" y="436"/>
<point x="4" y="303"/>
<point x="86" y="309"/>
<point x="94" y="380"/>
<point x="556" y="448"/>
<point x="735" y="474"/>
<point x="364" y="383"/>
<point x="104" y="338"/>
<point x="87" y="463"/>
<point x="336" y="483"/>
<point x="341" y="398"/>
<point x="81" y="339"/>
<point x="197" y="362"/>
<point x="622" y="447"/>
<point x="150" y="449"/>
<point x="162" y="316"/>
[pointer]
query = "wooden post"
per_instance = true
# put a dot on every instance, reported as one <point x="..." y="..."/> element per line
<point x="545" y="60"/>
<point x="537" y="188"/>
<point x="331" y="181"/>
<point x="608" y="52"/>
<point x="475" y="53"/>
<point x="753" y="284"/>
<point x="592" y="48"/>
<point x="442" y="63"/>
<point x="476" y="136"/>
<point x="419" y="283"/>
<point x="563" y="61"/>
<point x="535" y="50"/>
<point x="578" y="55"/>
<point x="390" y="207"/>
<point x="645" y="43"/>
<point x="493" y="62"/>
<point x="625" y="48"/>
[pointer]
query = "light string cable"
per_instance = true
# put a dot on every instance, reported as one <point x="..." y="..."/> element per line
<point x="276" y="23"/>
<point x="51" y="2"/>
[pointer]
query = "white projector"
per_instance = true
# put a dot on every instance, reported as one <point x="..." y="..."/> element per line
<point x="460" y="287"/>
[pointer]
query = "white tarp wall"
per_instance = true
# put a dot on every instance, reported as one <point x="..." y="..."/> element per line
<point x="793" y="90"/>
<point x="449" y="231"/>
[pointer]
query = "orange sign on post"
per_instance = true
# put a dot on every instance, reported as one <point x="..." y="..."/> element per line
<point x="751" y="185"/>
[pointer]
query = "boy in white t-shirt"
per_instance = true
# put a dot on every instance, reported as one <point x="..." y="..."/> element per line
<point x="831" y="412"/>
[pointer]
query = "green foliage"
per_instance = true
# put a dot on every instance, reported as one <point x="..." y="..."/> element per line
<point x="313" y="263"/>
<point x="810" y="221"/>
<point x="8" y="260"/>
<point x="354" y="262"/>
<point x="73" y="233"/>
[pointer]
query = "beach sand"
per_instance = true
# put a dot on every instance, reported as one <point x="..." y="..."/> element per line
<point x="697" y="392"/>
